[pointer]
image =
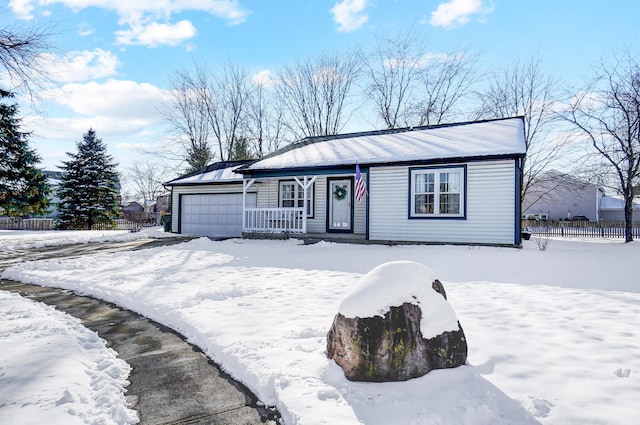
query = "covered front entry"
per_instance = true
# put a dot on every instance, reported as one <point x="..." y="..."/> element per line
<point x="217" y="215"/>
<point x="340" y="202"/>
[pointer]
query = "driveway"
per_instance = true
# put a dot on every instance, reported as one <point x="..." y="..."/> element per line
<point x="172" y="381"/>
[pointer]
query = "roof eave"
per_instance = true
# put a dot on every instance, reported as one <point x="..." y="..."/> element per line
<point x="443" y="160"/>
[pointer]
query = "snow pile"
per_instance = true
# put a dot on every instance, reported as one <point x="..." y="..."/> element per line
<point x="553" y="336"/>
<point x="54" y="370"/>
<point x="394" y="283"/>
<point x="11" y="240"/>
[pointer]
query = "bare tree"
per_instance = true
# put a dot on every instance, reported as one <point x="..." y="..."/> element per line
<point x="393" y="68"/>
<point x="316" y="92"/>
<point x="608" y="114"/>
<point x="186" y="112"/>
<point x="265" y="119"/>
<point x="21" y="53"/>
<point x="525" y="89"/>
<point x="445" y="81"/>
<point x="146" y="179"/>
<point x="226" y="100"/>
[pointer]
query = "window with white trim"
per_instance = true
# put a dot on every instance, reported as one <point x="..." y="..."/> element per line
<point x="291" y="195"/>
<point x="437" y="192"/>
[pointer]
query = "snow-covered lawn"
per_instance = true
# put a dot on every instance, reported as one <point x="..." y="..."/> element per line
<point x="554" y="336"/>
<point x="53" y="370"/>
<point x="11" y="240"/>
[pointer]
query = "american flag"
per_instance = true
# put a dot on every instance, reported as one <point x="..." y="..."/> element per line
<point x="361" y="187"/>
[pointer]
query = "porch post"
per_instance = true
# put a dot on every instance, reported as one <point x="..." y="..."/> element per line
<point x="245" y="186"/>
<point x="304" y="205"/>
<point x="306" y="184"/>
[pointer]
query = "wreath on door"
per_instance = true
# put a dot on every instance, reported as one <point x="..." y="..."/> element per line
<point x="340" y="193"/>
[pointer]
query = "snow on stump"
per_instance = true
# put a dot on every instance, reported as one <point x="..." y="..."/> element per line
<point x="396" y="325"/>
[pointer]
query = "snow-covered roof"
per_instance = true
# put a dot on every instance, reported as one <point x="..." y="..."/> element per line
<point x="616" y="203"/>
<point x="478" y="139"/>
<point x="217" y="175"/>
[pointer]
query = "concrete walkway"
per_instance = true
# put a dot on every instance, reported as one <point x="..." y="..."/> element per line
<point x="172" y="382"/>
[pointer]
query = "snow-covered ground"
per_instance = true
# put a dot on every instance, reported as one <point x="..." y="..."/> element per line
<point x="554" y="336"/>
<point x="53" y="370"/>
<point x="11" y="240"/>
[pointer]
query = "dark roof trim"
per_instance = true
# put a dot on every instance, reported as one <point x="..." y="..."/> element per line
<point x="222" y="183"/>
<point x="211" y="167"/>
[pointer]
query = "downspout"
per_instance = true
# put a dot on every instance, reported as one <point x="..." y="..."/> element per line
<point x="518" y="203"/>
<point x="170" y="205"/>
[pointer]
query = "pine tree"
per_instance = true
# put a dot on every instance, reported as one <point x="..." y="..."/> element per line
<point x="23" y="187"/>
<point x="89" y="191"/>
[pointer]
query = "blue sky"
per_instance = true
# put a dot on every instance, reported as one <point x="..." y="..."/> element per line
<point x="116" y="56"/>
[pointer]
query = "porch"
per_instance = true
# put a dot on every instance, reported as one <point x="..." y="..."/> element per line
<point x="320" y="206"/>
<point x="275" y="220"/>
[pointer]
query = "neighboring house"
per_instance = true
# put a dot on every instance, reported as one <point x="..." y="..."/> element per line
<point x="559" y="196"/>
<point x="163" y="204"/>
<point x="134" y="211"/>
<point x="612" y="209"/>
<point x="456" y="183"/>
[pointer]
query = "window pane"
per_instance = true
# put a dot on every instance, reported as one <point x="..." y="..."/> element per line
<point x="287" y="191"/>
<point x="424" y="183"/>
<point x="450" y="203"/>
<point x="450" y="182"/>
<point x="424" y="204"/>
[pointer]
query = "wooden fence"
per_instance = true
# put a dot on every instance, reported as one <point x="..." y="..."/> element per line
<point x="8" y="223"/>
<point x="584" y="229"/>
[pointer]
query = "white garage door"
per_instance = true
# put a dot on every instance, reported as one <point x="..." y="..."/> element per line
<point x="218" y="215"/>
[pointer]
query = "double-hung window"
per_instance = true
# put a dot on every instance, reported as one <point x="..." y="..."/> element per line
<point x="437" y="192"/>
<point x="292" y="196"/>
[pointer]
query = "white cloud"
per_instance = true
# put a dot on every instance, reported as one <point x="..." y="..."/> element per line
<point x="263" y="79"/>
<point x="84" y="65"/>
<point x="457" y="12"/>
<point x="136" y="147"/>
<point x="126" y="100"/>
<point x="120" y="111"/>
<point x="156" y="34"/>
<point x="349" y="14"/>
<point x="22" y="8"/>
<point x="84" y="29"/>
<point x="144" y="20"/>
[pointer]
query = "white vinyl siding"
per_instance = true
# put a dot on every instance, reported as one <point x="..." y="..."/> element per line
<point x="490" y="207"/>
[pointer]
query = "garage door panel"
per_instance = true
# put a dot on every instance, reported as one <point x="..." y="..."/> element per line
<point x="218" y="215"/>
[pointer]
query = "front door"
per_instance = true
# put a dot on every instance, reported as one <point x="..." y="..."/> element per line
<point x="340" y="217"/>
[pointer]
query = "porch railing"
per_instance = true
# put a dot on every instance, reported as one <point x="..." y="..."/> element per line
<point x="274" y="220"/>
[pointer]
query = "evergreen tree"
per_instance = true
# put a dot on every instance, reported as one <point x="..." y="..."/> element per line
<point x="89" y="191"/>
<point x="23" y="186"/>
